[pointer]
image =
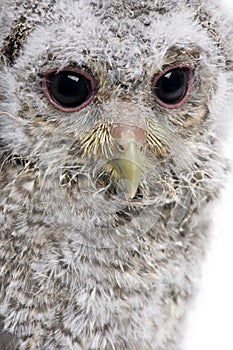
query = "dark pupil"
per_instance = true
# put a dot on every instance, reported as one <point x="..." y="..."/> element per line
<point x="69" y="89"/>
<point x="171" y="87"/>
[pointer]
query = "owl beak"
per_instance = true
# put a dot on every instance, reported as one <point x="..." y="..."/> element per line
<point x="128" y="158"/>
<point x="128" y="166"/>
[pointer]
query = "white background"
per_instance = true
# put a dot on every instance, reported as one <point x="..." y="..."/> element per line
<point x="210" y="323"/>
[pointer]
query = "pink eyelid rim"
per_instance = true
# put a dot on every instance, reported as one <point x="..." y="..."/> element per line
<point x="190" y="82"/>
<point x="56" y="104"/>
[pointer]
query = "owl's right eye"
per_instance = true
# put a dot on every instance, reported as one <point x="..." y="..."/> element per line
<point x="68" y="90"/>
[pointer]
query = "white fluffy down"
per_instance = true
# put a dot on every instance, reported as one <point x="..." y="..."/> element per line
<point x="82" y="265"/>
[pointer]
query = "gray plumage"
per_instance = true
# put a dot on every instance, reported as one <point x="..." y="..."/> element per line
<point x="100" y="251"/>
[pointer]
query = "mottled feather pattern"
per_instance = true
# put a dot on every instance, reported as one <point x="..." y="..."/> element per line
<point x="84" y="265"/>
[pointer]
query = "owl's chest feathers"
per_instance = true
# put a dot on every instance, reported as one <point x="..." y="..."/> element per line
<point x="66" y="236"/>
<point x="82" y="271"/>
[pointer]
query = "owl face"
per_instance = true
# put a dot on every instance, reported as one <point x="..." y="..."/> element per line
<point x="112" y="106"/>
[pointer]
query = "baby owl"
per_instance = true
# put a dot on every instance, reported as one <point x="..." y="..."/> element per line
<point x="111" y="117"/>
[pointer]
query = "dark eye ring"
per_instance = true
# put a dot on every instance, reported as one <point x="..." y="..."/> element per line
<point x="69" y="90"/>
<point x="172" y="86"/>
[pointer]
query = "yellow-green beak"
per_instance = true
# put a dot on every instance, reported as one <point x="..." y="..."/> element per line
<point x="128" y="165"/>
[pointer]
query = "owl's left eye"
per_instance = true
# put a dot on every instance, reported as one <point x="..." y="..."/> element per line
<point x="171" y="87"/>
<point x="68" y="90"/>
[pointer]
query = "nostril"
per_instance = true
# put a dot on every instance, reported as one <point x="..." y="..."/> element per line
<point x="121" y="148"/>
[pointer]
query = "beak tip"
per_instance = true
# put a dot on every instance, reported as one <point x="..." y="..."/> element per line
<point x="131" y="188"/>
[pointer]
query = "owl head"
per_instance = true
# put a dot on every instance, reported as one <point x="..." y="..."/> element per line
<point x="115" y="108"/>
